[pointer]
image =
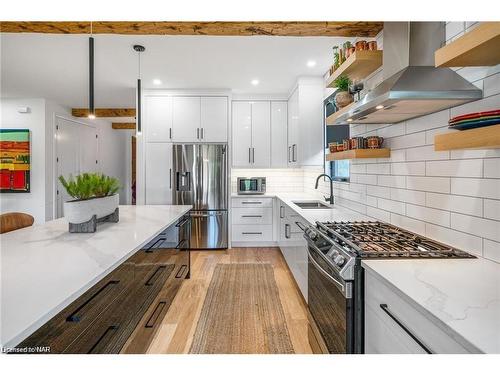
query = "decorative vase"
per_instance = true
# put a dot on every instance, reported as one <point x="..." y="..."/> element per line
<point x="343" y="98"/>
<point x="83" y="215"/>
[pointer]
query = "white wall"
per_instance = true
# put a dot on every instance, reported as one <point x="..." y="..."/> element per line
<point x="113" y="150"/>
<point x="34" y="201"/>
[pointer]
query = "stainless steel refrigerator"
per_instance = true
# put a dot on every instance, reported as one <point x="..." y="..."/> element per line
<point x="200" y="179"/>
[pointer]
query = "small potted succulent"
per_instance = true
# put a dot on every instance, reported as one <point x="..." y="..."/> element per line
<point x="343" y="96"/>
<point x="96" y="198"/>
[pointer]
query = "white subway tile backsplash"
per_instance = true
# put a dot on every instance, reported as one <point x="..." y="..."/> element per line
<point x="481" y="227"/>
<point x="463" y="241"/>
<point x="425" y="153"/>
<point x="486" y="104"/>
<point x="491" y="250"/>
<point x="378" y="214"/>
<point x="411" y="168"/>
<point x="474" y="154"/>
<point x="492" y="209"/>
<point x="371" y="201"/>
<point x="392" y="206"/>
<point x="492" y="168"/>
<point x="429" y="215"/>
<point x="392" y="181"/>
<point x="370" y="179"/>
<point x="491" y="85"/>
<point x="455" y="168"/>
<point x="455" y="203"/>
<point x="378" y="191"/>
<point x="358" y="168"/>
<point x="397" y="156"/>
<point x="405" y="141"/>
<point x="410" y="224"/>
<point x="408" y="196"/>
<point x="430" y="134"/>
<point x="434" y="120"/>
<point x="434" y="184"/>
<point x="475" y="187"/>
<point x="378" y="168"/>
<point x="392" y="130"/>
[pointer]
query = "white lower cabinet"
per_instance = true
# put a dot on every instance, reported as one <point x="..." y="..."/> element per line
<point x="293" y="245"/>
<point x="252" y="221"/>
<point x="393" y="326"/>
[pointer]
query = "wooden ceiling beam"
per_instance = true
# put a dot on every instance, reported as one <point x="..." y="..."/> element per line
<point x="104" y="112"/>
<point x="123" y="125"/>
<point x="339" y="29"/>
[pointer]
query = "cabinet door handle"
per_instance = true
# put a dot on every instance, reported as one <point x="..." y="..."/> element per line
<point x="385" y="308"/>
<point x="249" y="155"/>
<point x="170" y="133"/>
<point x="155" y="275"/>
<point x="251" y="215"/>
<point x="289" y="152"/>
<point x="255" y="202"/>
<point x="251" y="232"/>
<point x="170" y="176"/>
<point x="253" y="155"/>
<point x="202" y="133"/>
<point x="74" y="316"/>
<point x="197" y="133"/>
<point x="156" y="313"/>
<point x="110" y="330"/>
<point x="282" y="212"/>
<point x="287" y="230"/>
<point x="294" y="156"/>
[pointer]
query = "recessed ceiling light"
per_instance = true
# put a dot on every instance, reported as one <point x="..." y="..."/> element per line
<point x="255" y="82"/>
<point x="349" y="120"/>
<point x="156" y="81"/>
<point x="380" y="106"/>
<point x="311" y="63"/>
<point x="91" y="116"/>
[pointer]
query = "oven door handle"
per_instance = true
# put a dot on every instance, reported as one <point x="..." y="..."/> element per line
<point x="346" y="292"/>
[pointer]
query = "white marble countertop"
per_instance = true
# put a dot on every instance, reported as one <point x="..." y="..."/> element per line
<point x="462" y="296"/>
<point x="45" y="268"/>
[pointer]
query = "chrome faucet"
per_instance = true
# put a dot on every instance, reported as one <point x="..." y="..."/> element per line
<point x="328" y="199"/>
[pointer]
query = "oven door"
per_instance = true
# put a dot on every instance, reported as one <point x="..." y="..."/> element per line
<point x="330" y="304"/>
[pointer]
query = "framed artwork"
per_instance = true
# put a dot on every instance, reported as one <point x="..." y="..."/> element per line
<point x="14" y="161"/>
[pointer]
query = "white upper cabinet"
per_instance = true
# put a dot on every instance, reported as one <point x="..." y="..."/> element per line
<point x="261" y="134"/>
<point x="293" y="128"/>
<point x="158" y="117"/>
<point x="242" y="134"/>
<point x="186" y="119"/>
<point x="158" y="173"/>
<point x="214" y="118"/>
<point x="279" y="142"/>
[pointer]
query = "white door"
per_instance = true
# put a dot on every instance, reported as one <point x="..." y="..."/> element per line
<point x="279" y="141"/>
<point x="261" y="134"/>
<point x="293" y="127"/>
<point x="242" y="133"/>
<point x="213" y="119"/>
<point x="76" y="152"/>
<point x="158" y="118"/>
<point x="186" y="118"/>
<point x="159" y="173"/>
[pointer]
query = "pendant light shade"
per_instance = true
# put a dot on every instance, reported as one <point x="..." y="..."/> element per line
<point x="91" y="79"/>
<point x="138" y="48"/>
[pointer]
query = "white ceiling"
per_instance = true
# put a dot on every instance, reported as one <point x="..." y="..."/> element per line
<point x="56" y="66"/>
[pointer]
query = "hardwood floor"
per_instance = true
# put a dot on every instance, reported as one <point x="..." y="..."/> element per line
<point x="179" y="324"/>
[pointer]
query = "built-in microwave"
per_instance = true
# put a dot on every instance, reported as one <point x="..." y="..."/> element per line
<point x="251" y="185"/>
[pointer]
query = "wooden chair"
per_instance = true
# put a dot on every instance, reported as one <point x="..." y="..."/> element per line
<point x="15" y="220"/>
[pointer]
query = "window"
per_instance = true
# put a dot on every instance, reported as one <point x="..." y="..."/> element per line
<point x="339" y="169"/>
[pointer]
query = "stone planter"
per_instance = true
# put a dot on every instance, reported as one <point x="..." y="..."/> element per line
<point x="83" y="215"/>
<point x="343" y="98"/>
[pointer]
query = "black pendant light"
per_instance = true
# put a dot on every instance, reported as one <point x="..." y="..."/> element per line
<point x="138" y="48"/>
<point x="91" y="75"/>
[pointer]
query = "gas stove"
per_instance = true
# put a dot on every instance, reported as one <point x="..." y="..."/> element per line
<point x="373" y="239"/>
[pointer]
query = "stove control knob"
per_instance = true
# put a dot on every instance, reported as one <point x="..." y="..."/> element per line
<point x="339" y="260"/>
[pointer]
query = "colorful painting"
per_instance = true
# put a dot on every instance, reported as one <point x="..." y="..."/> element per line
<point x="14" y="161"/>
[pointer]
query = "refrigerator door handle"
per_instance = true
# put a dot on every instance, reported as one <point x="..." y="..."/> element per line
<point x="253" y="155"/>
<point x="197" y="133"/>
<point x="249" y="155"/>
<point x="170" y="177"/>
<point x="202" y="133"/>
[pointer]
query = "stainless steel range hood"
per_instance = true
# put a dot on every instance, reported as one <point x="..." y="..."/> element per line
<point x="412" y="86"/>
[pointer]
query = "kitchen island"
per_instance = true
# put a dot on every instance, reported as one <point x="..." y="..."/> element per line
<point x="45" y="268"/>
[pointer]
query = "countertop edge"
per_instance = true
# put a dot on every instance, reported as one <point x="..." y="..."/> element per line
<point x="16" y="340"/>
<point x="420" y="308"/>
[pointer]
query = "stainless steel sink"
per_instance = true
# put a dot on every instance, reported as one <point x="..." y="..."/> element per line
<point x="312" y="205"/>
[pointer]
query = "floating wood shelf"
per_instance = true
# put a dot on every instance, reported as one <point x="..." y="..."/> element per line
<point x="485" y="137"/>
<point x="358" y="66"/>
<point x="330" y="120"/>
<point x="360" y="154"/>
<point x="478" y="47"/>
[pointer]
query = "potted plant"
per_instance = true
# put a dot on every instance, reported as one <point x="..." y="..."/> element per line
<point x="95" y="200"/>
<point x="343" y="96"/>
